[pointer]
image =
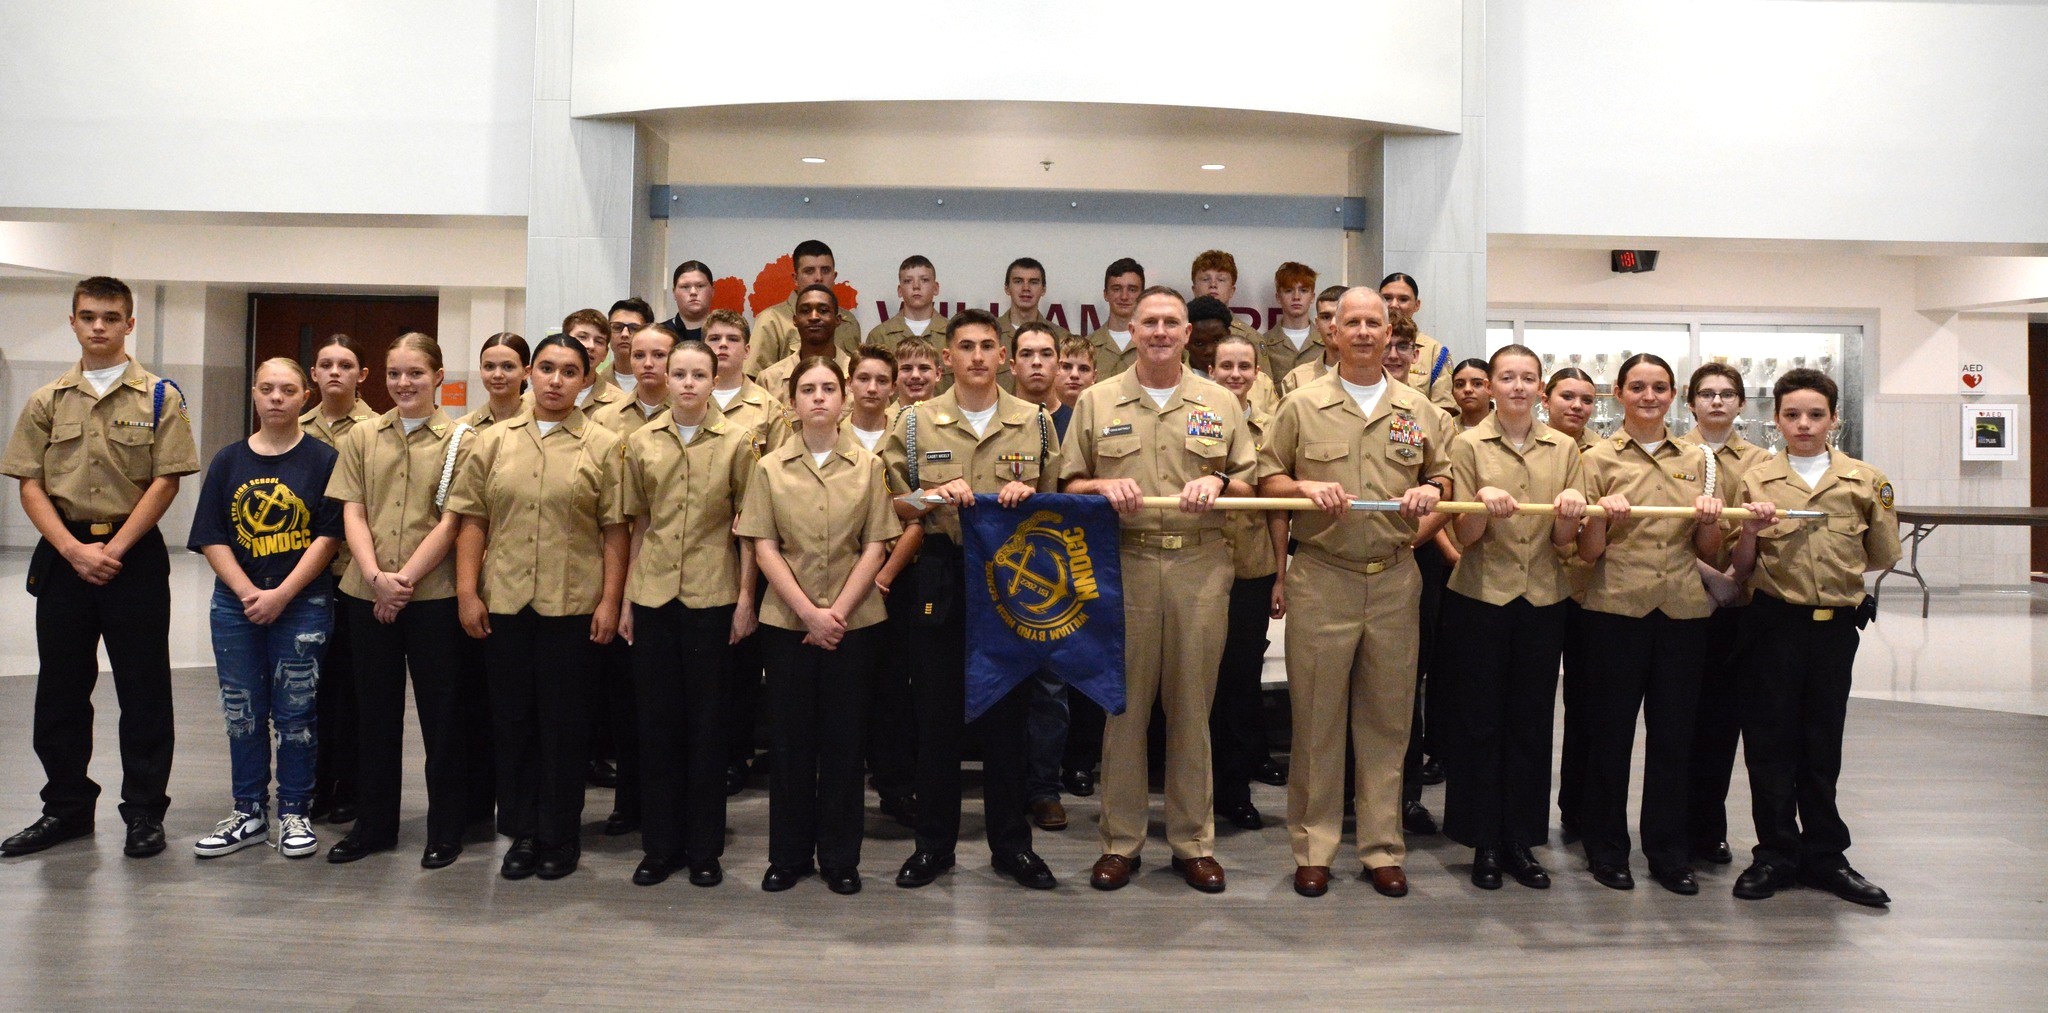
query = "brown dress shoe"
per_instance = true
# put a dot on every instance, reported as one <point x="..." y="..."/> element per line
<point x="1390" y="881"/>
<point x="1204" y="874"/>
<point x="1312" y="880"/>
<point x="1112" y="872"/>
<point x="1049" y="814"/>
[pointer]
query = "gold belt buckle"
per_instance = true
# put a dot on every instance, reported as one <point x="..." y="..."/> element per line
<point x="101" y="528"/>
<point x="1376" y="566"/>
<point x="1172" y="541"/>
<point x="1823" y="615"/>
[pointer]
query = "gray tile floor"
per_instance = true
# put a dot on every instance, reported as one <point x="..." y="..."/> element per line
<point x="1947" y="805"/>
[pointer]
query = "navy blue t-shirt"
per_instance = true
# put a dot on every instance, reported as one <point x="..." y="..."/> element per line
<point x="267" y="509"/>
<point x="1060" y="416"/>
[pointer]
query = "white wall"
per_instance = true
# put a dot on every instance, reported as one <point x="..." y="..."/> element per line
<point x="369" y="107"/>
<point x="1768" y="118"/>
<point x="1392" y="61"/>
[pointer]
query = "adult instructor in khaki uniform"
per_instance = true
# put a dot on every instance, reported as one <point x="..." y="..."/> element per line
<point x="99" y="453"/>
<point x="1160" y="430"/>
<point x="1353" y="589"/>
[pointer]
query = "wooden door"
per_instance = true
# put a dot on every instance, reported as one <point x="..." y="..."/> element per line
<point x="294" y="326"/>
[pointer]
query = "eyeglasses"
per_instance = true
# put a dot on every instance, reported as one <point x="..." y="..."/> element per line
<point x="1718" y="395"/>
<point x="1405" y="346"/>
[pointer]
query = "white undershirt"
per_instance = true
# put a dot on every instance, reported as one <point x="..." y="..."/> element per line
<point x="979" y="420"/>
<point x="647" y="409"/>
<point x="918" y="327"/>
<point x="412" y="424"/>
<point x="869" y="437"/>
<point x="688" y="433"/>
<point x="1159" y="394"/>
<point x="546" y="427"/>
<point x="103" y="380"/>
<point x="819" y="457"/>
<point x="1297" y="336"/>
<point x="1716" y="447"/>
<point x="1367" y="397"/>
<point x="625" y="380"/>
<point x="1122" y="339"/>
<point x="1809" y="468"/>
<point x="584" y="395"/>
<point x="1652" y="448"/>
<point x="725" y="396"/>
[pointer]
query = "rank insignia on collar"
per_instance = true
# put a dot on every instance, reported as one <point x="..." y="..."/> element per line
<point x="943" y="418"/>
<point x="1884" y="495"/>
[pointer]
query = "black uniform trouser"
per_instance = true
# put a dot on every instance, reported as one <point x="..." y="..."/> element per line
<point x="1717" y="729"/>
<point x="815" y="701"/>
<point x="892" y="715"/>
<point x="422" y="641"/>
<point x="614" y="710"/>
<point x="479" y="756"/>
<point x="544" y="672"/>
<point x="132" y="613"/>
<point x="680" y="658"/>
<point x="1425" y="724"/>
<point x="1578" y="711"/>
<point x="1794" y="701"/>
<point x="335" y="714"/>
<point x="1649" y="666"/>
<point x="743" y="691"/>
<point x="1237" y="723"/>
<point x="940" y="687"/>
<point x="1499" y="677"/>
<point x="1083" y="750"/>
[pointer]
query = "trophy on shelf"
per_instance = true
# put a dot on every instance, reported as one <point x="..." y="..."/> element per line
<point x="1770" y="374"/>
<point x="1600" y="364"/>
<point x="1827" y="364"/>
<point x="1743" y="366"/>
<point x="1549" y="363"/>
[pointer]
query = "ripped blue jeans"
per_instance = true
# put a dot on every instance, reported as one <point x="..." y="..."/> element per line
<point x="268" y="678"/>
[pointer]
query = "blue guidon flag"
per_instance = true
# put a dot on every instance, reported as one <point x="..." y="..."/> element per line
<point x="1044" y="593"/>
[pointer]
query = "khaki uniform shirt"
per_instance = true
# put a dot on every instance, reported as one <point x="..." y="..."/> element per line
<point x="1735" y="457"/>
<point x="1821" y="561"/>
<point x="1251" y="544"/>
<point x="1281" y="354"/>
<point x="1305" y="372"/>
<point x="96" y="454"/>
<point x="774" y="335"/>
<point x="330" y="433"/>
<point x="1008" y="328"/>
<point x="689" y="495"/>
<point x="1426" y="351"/>
<point x="1108" y="360"/>
<point x="775" y="379"/>
<point x="1514" y="558"/>
<point x="1020" y="444"/>
<point x="547" y="500"/>
<point x="626" y="415"/>
<point x="757" y="412"/>
<point x="894" y="331"/>
<point x="394" y="476"/>
<point x="822" y="518"/>
<point x="1648" y="564"/>
<point x="1117" y="431"/>
<point x="481" y="419"/>
<point x="1319" y="435"/>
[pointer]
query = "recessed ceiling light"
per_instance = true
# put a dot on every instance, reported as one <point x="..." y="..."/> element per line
<point x="1214" y="166"/>
<point x="812" y="160"/>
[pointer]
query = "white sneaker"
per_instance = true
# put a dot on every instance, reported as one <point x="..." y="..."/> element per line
<point x="230" y="835"/>
<point x="295" y="837"/>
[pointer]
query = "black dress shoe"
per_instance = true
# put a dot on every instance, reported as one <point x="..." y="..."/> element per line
<point x="1486" y="868"/>
<point x="354" y="849"/>
<point x="921" y="868"/>
<point x="1415" y="819"/>
<point x="344" y="811"/>
<point x="43" y="833"/>
<point x="1270" y="772"/>
<point x="1432" y="771"/>
<point x="440" y="856"/>
<point x="1760" y="881"/>
<point x="1679" y="881"/>
<point x="1027" y="869"/>
<point x="844" y="881"/>
<point x="145" y="837"/>
<point x="652" y="870"/>
<point x="521" y="860"/>
<point x="782" y="877"/>
<point x="558" y="862"/>
<point x="706" y="873"/>
<point x="1244" y="816"/>
<point x="1521" y="864"/>
<point x="619" y="824"/>
<point x="902" y="809"/>
<point x="1079" y="783"/>
<point x="735" y="779"/>
<point x="1713" y="853"/>
<point x="1845" y="883"/>
<point x="1613" y="877"/>
<point x="601" y="774"/>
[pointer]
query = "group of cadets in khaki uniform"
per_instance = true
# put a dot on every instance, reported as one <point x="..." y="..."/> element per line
<point x="548" y="523"/>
